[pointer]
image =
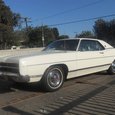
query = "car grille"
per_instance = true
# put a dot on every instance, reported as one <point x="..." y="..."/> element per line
<point x="9" y="67"/>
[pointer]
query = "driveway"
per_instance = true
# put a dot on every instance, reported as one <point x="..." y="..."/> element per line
<point x="87" y="95"/>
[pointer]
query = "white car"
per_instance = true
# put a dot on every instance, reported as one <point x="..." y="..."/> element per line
<point x="61" y="60"/>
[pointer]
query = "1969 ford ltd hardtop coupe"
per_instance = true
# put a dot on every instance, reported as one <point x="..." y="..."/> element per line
<point x="61" y="60"/>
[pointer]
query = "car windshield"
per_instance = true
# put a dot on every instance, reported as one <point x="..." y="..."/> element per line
<point x="69" y="45"/>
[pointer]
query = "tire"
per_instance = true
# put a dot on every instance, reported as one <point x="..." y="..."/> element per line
<point x="111" y="70"/>
<point x="53" y="78"/>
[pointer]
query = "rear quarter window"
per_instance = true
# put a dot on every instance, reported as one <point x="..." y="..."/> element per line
<point x="90" y="45"/>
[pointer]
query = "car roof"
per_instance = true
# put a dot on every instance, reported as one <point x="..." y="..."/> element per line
<point x="80" y="39"/>
<point x="105" y="44"/>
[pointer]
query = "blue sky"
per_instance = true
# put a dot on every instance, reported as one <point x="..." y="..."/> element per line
<point x="43" y="11"/>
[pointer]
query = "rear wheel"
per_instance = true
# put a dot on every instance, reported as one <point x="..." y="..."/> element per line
<point x="112" y="68"/>
<point x="53" y="78"/>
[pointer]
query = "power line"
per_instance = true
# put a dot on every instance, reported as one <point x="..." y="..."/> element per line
<point x="84" y="20"/>
<point x="70" y="10"/>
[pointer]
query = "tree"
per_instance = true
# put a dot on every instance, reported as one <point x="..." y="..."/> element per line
<point x="19" y="37"/>
<point x="85" y="34"/>
<point x="35" y="35"/>
<point x="55" y="33"/>
<point x="16" y="20"/>
<point x="8" y="20"/>
<point x="100" y="29"/>
<point x="112" y="32"/>
<point x="105" y="30"/>
<point x="63" y="36"/>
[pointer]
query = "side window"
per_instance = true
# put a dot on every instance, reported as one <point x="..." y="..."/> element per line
<point x="59" y="45"/>
<point x="99" y="46"/>
<point x="71" y="45"/>
<point x="90" y="45"/>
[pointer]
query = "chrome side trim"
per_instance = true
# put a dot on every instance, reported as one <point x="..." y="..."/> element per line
<point x="90" y="67"/>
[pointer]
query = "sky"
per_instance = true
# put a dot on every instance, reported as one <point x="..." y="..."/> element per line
<point x="51" y="12"/>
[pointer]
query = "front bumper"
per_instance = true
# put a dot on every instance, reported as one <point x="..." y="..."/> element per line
<point x="14" y="77"/>
<point x="10" y="71"/>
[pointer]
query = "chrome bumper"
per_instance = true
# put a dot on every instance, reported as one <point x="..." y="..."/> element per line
<point x="14" y="77"/>
<point x="10" y="71"/>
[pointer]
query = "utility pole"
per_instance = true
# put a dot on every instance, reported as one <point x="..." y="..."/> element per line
<point x="43" y="44"/>
<point x="26" y="21"/>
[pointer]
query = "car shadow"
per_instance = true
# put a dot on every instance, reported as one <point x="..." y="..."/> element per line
<point x="37" y="87"/>
<point x="31" y="87"/>
<point x="8" y="86"/>
<point x="5" y="86"/>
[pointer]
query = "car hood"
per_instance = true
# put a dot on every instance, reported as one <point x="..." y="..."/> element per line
<point x="16" y="57"/>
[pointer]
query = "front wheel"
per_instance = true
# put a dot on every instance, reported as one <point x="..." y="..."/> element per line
<point x="112" y="68"/>
<point x="53" y="78"/>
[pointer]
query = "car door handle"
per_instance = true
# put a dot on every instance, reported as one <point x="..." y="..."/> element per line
<point x="101" y="52"/>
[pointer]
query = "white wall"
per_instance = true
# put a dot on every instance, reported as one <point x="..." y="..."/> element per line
<point x="4" y="53"/>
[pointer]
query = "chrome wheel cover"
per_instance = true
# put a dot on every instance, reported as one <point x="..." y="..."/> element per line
<point x="55" y="78"/>
<point x="113" y="67"/>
